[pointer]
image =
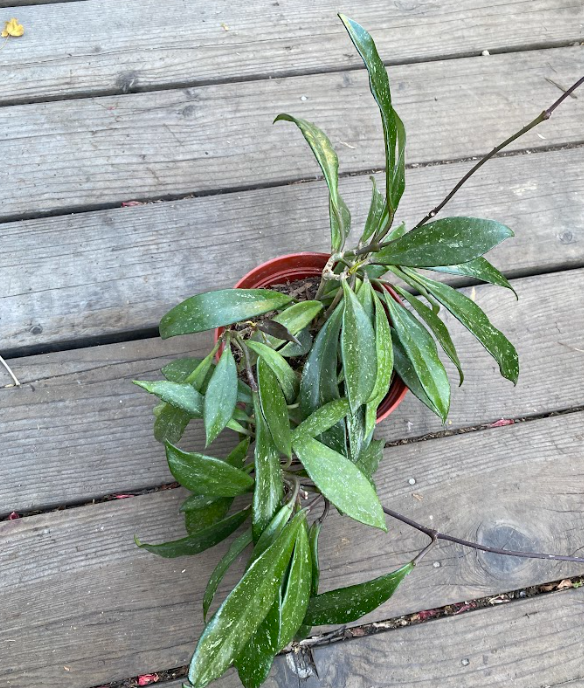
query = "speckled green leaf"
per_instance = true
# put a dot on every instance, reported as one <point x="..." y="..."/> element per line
<point x="274" y="408"/>
<point x="221" y="396"/>
<point x="219" y="308"/>
<point x="341" y="482"/>
<point x="297" y="591"/>
<point x="376" y="212"/>
<point x="384" y="357"/>
<point x="180" y="395"/>
<point x="240" y="615"/>
<point x="323" y="418"/>
<point x="280" y="367"/>
<point x="313" y="535"/>
<point x="480" y="269"/>
<point x="355" y="422"/>
<point x="237" y="547"/>
<point x="272" y="530"/>
<point x="393" y="129"/>
<point x="199" y="541"/>
<point x="255" y="661"/>
<point x="326" y="157"/>
<point x="436" y="326"/>
<point x="351" y="603"/>
<point x="170" y="423"/>
<point x="268" y="475"/>
<point x="301" y="349"/>
<point x="405" y="369"/>
<point x="370" y="457"/>
<point x="299" y="315"/>
<point x="199" y="519"/>
<point x="422" y="352"/>
<point x="179" y="370"/>
<point x="365" y="298"/>
<point x="449" y="241"/>
<point x="358" y="350"/>
<point x="476" y="321"/>
<point x="206" y="475"/>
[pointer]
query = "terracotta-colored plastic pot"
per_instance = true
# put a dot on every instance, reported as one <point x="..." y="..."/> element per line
<point x="297" y="266"/>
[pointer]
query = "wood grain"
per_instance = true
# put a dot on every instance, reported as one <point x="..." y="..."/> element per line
<point x="70" y="278"/>
<point x="90" y="153"/>
<point x="91" y="601"/>
<point x="534" y="642"/>
<point x="78" y="429"/>
<point x="187" y="43"/>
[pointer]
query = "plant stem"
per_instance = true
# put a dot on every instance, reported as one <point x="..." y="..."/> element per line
<point x="546" y="114"/>
<point x="436" y="535"/>
<point x="248" y="368"/>
<point x="12" y="375"/>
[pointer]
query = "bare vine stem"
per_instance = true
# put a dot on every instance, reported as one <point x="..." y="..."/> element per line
<point x="436" y="535"/>
<point x="546" y="114"/>
<point x="9" y="371"/>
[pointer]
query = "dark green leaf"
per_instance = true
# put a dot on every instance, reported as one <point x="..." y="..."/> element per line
<point x="480" y="269"/>
<point x="405" y="369"/>
<point x="255" y="661"/>
<point x="476" y="321"/>
<point x="365" y="298"/>
<point x="179" y="370"/>
<point x="297" y="592"/>
<point x="313" y="535"/>
<point x="206" y="475"/>
<point x="199" y="541"/>
<point x="329" y="164"/>
<point x="448" y="241"/>
<point x="436" y="326"/>
<point x="323" y="418"/>
<point x="180" y="395"/>
<point x="221" y="396"/>
<point x="196" y="502"/>
<point x="393" y="130"/>
<point x="301" y="349"/>
<point x="376" y="212"/>
<point x="275" y="329"/>
<point x="358" y="350"/>
<point x="280" y="367"/>
<point x="199" y="519"/>
<point x="236" y="457"/>
<point x="240" y="615"/>
<point x="351" y="603"/>
<point x="274" y="408"/>
<point x="384" y="357"/>
<point x="170" y="423"/>
<point x="268" y="475"/>
<point x="237" y="547"/>
<point x="299" y="315"/>
<point x="340" y="481"/>
<point x="356" y="432"/>
<point x="370" y="457"/>
<point x="272" y="531"/>
<point x="219" y="308"/>
<point x="421" y="350"/>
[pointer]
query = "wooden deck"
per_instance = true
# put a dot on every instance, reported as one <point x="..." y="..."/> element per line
<point x="171" y="104"/>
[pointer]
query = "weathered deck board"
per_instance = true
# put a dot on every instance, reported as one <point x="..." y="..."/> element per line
<point x="83" y="154"/>
<point x="92" y="602"/>
<point x="69" y="278"/>
<point x="78" y="429"/>
<point x="528" y="643"/>
<point x="535" y="642"/>
<point x="186" y="43"/>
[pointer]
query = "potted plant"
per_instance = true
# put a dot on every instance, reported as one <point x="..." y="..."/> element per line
<point x="310" y="350"/>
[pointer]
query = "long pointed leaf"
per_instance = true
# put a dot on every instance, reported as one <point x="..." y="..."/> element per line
<point x="243" y="611"/>
<point x="448" y="241"/>
<point x="480" y="269"/>
<point x="351" y="603"/>
<point x="199" y="541"/>
<point x="405" y="369"/>
<point x="280" y="367"/>
<point x="358" y="350"/>
<point x="206" y="475"/>
<point x="255" y="661"/>
<point x="323" y="418"/>
<point x="274" y="408"/>
<point x="221" y="396"/>
<point x="329" y="164"/>
<point x="219" y="308"/>
<point x="476" y="321"/>
<point x="341" y="482"/>
<point x="376" y="210"/>
<point x="421" y="351"/>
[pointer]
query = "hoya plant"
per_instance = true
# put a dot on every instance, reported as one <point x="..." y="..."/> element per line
<point x="300" y="382"/>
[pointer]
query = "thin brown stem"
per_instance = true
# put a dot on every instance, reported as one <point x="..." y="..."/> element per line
<point x="436" y="535"/>
<point x="546" y="114"/>
<point x="248" y="368"/>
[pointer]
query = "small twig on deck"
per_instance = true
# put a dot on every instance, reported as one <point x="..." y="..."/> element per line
<point x="12" y="375"/>
<point x="436" y="535"/>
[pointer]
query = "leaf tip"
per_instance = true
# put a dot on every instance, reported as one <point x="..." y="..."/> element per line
<point x="138" y="542"/>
